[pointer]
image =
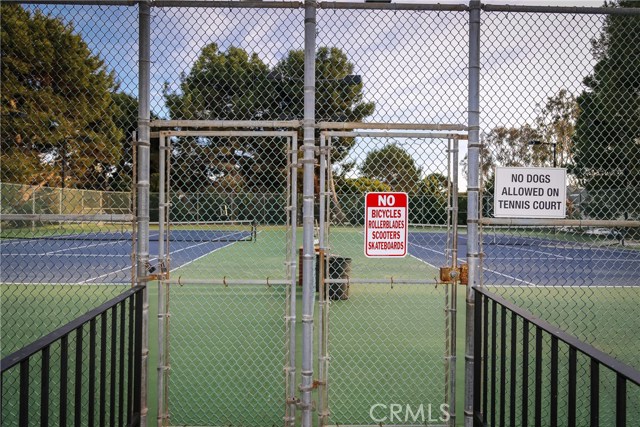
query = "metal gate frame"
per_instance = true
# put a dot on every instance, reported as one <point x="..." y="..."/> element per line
<point x="164" y="279"/>
<point x="451" y="249"/>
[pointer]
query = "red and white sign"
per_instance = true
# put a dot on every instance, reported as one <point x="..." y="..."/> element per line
<point x="386" y="225"/>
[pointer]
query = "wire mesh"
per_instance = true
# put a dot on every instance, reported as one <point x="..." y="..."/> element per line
<point x="558" y="90"/>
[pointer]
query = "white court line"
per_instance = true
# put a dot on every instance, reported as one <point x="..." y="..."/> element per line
<point x="156" y="259"/>
<point x="72" y="255"/>
<point x="483" y="268"/>
<point x="534" y="251"/>
<point x="95" y="245"/>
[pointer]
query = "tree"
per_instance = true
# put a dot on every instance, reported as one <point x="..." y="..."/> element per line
<point x="393" y="166"/>
<point x="58" y="124"/>
<point x="236" y="85"/>
<point x="506" y="146"/>
<point x="555" y="128"/>
<point x="607" y="136"/>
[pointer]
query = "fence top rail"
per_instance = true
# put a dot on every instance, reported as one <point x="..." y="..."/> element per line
<point x="604" y="359"/>
<point x="172" y="124"/>
<point x="560" y="222"/>
<point x="14" y="358"/>
<point x="581" y="10"/>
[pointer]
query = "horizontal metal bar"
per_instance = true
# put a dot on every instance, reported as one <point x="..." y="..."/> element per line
<point x="229" y="4"/>
<point x="68" y="217"/>
<point x="226" y="123"/>
<point x="77" y="2"/>
<point x="394" y="6"/>
<point x="592" y="352"/>
<point x="383" y="281"/>
<point x="561" y="9"/>
<point x="224" y="282"/>
<point x="560" y="222"/>
<point x="428" y="135"/>
<point x="14" y="358"/>
<point x="275" y="133"/>
<point x="391" y="126"/>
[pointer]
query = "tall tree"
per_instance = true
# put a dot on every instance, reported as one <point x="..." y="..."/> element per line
<point x="607" y="137"/>
<point x="393" y="166"/>
<point x="57" y="110"/>
<point x="236" y="85"/>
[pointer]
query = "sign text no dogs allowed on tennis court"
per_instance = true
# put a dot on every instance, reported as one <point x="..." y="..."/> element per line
<point x="385" y="228"/>
<point x="530" y="192"/>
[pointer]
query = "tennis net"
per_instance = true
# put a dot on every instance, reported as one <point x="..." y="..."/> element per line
<point x="212" y="231"/>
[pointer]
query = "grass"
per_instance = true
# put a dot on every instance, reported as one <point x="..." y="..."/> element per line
<point x="387" y="341"/>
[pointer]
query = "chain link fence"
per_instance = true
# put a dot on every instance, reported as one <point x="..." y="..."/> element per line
<point x="558" y="88"/>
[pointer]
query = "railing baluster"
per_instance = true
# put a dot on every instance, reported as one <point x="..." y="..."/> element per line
<point x="78" y="379"/>
<point x="477" y="355"/>
<point x="485" y="353"/>
<point x="524" y="419"/>
<point x="595" y="393"/>
<point x="538" y="390"/>
<point x="503" y="363"/>
<point x="64" y="362"/>
<point x="130" y="364"/>
<point x="44" y="387"/>
<point x="112" y="382"/>
<point x="621" y="401"/>
<point x="24" y="393"/>
<point x="103" y="369"/>
<point x="92" y="371"/>
<point x="553" y="421"/>
<point x="494" y="331"/>
<point x="121" y="369"/>
<point x="512" y="392"/>
<point x="573" y="355"/>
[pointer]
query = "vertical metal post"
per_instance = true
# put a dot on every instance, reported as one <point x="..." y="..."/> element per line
<point x="293" y="215"/>
<point x="454" y="287"/>
<point x="142" y="241"/>
<point x="321" y="296"/>
<point x="308" y="291"/>
<point x="161" y="254"/>
<point x="473" y="247"/>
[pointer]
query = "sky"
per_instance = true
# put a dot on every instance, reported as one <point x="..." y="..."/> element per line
<point x="414" y="64"/>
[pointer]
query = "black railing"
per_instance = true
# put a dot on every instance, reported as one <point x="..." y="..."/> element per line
<point x="66" y="379"/>
<point x="530" y="373"/>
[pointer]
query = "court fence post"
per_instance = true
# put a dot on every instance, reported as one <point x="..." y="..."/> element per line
<point x="473" y="255"/>
<point x="143" y="149"/>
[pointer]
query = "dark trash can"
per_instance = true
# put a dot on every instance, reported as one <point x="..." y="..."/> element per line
<point x="339" y="268"/>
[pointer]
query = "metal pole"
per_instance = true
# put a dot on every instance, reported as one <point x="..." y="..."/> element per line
<point x="293" y="215"/>
<point x="473" y="253"/>
<point x="321" y="296"/>
<point x="454" y="290"/>
<point x="308" y="291"/>
<point x="142" y="249"/>
<point x="161" y="314"/>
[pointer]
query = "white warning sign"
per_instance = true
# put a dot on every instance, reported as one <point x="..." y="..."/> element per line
<point x="530" y="193"/>
<point x="386" y="225"/>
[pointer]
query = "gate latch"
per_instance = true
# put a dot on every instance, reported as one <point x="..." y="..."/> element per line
<point x="455" y="274"/>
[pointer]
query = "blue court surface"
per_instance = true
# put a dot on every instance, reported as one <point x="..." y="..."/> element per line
<point x="508" y="260"/>
<point x="92" y="258"/>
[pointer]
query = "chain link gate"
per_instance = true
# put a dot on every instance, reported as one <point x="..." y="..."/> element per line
<point x="227" y="278"/>
<point x="387" y="350"/>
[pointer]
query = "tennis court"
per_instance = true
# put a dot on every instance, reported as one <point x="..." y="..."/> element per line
<point x="101" y="263"/>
